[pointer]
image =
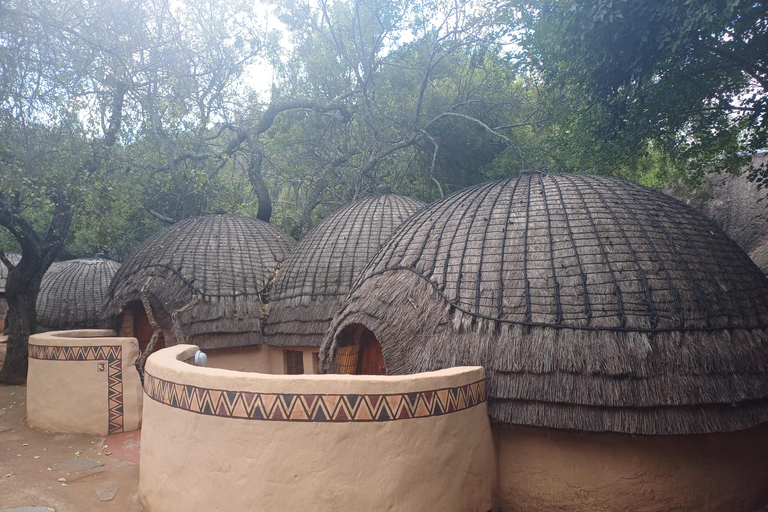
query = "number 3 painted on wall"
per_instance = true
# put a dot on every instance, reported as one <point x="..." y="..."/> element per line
<point x="102" y="367"/>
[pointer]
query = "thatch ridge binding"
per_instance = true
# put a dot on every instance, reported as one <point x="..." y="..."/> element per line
<point x="583" y="312"/>
<point x="71" y="294"/>
<point x="224" y="260"/>
<point x="312" y="284"/>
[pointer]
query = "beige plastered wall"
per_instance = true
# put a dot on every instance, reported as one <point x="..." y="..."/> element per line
<point x="260" y="359"/>
<point x="73" y="396"/>
<point x="198" y="462"/>
<point x="545" y="469"/>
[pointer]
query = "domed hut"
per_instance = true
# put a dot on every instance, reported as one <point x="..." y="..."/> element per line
<point x="311" y="285"/>
<point x="72" y="292"/>
<point x="204" y="280"/>
<point x="13" y="258"/>
<point x="623" y="336"/>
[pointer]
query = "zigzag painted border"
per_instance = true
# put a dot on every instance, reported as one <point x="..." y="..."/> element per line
<point x="112" y="354"/>
<point x="85" y="353"/>
<point x="314" y="407"/>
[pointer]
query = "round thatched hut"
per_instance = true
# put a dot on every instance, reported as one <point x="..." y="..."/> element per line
<point x="203" y="279"/>
<point x="72" y="292"/>
<point x="13" y="258"/>
<point x="312" y="284"/>
<point x="623" y="336"/>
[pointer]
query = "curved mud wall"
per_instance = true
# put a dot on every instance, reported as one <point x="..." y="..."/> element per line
<point x="83" y="382"/>
<point x="221" y="440"/>
<point x="546" y="469"/>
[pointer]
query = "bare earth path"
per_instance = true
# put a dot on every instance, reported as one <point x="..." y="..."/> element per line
<point x="32" y="464"/>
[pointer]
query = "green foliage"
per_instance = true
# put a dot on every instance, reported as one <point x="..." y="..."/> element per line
<point x="630" y="79"/>
<point x="148" y="117"/>
<point x="433" y="105"/>
<point x="121" y="104"/>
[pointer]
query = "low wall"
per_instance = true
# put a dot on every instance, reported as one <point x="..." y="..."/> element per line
<point x="546" y="469"/>
<point x="215" y="439"/>
<point x="83" y="382"/>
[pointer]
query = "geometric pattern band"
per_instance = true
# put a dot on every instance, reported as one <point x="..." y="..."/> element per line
<point x="112" y="355"/>
<point x="314" y="407"/>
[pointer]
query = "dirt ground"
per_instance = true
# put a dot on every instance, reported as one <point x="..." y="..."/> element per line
<point x="40" y="469"/>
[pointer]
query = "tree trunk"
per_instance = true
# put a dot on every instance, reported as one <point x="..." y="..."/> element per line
<point x="265" y="203"/>
<point x="22" y="288"/>
<point x="259" y="185"/>
<point x="24" y="278"/>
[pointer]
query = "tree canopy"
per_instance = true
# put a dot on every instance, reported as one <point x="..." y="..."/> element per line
<point x="430" y="104"/>
<point x="689" y="79"/>
<point x="118" y="118"/>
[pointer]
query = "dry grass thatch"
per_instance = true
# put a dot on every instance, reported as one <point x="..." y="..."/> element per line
<point x="312" y="284"/>
<point x="72" y="292"/>
<point x="594" y="304"/>
<point x="213" y="268"/>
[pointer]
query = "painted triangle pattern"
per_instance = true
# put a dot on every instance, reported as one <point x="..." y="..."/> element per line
<point x="86" y="353"/>
<point x="115" y="395"/>
<point x="112" y="354"/>
<point x="314" y="407"/>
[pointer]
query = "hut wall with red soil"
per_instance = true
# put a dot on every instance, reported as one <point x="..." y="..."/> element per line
<point x="83" y="382"/>
<point x="3" y="312"/>
<point x="320" y="443"/>
<point x="14" y="257"/>
<point x="548" y="469"/>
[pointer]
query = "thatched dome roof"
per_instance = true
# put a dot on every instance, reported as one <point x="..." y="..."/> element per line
<point x="312" y="284"/>
<point x="71" y="293"/>
<point x="593" y="303"/>
<point x="214" y="269"/>
<point x="14" y="258"/>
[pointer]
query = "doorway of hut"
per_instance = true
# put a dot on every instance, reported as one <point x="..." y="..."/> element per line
<point x="360" y="352"/>
<point x="135" y="323"/>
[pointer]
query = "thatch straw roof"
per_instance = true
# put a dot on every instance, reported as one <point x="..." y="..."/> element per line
<point x="211" y="272"/>
<point x="71" y="294"/>
<point x="14" y="258"/>
<point x="312" y="284"/>
<point x="593" y="303"/>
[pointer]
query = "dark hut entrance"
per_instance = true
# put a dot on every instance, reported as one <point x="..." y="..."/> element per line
<point x="135" y="323"/>
<point x="361" y="353"/>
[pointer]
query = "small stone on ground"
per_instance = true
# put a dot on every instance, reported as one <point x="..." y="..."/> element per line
<point x="37" y="468"/>
<point x="106" y="491"/>
<point x="79" y="465"/>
